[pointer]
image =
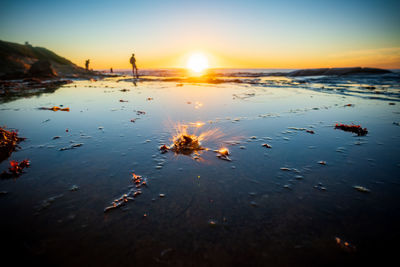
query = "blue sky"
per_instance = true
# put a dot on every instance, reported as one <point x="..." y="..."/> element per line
<point x="233" y="33"/>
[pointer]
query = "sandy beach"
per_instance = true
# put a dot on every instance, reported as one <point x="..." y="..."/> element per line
<point x="294" y="185"/>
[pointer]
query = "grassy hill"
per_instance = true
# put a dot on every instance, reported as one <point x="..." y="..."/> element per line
<point x="17" y="58"/>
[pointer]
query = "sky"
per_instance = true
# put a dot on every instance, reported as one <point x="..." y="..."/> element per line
<point x="232" y="34"/>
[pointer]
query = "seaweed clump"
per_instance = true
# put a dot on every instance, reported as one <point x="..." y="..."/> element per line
<point x="138" y="181"/>
<point x="184" y="144"/>
<point x="8" y="143"/>
<point x="344" y="245"/>
<point x="55" y="108"/>
<point x="352" y="128"/>
<point x="16" y="168"/>
<point x="188" y="141"/>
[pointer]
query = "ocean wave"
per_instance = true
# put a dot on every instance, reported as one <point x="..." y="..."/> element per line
<point x="374" y="86"/>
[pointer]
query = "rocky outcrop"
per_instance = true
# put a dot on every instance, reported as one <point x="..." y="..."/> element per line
<point x="337" y="71"/>
<point x="42" y="69"/>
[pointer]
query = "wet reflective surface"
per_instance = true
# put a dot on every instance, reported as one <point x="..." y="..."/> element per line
<point x="295" y="202"/>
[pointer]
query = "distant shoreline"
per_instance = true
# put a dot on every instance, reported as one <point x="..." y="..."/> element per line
<point x="236" y="72"/>
<point x="227" y="69"/>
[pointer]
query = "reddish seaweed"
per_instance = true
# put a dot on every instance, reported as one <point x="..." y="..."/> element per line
<point x="55" y="108"/>
<point x="164" y="149"/>
<point x="344" y="245"/>
<point x="8" y="143"/>
<point x="16" y="168"/>
<point x="352" y="128"/>
<point x="266" y="145"/>
<point x="138" y="181"/>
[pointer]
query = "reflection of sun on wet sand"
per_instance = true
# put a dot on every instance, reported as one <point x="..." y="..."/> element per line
<point x="365" y="82"/>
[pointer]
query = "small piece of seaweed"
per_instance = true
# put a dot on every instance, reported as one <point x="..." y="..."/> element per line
<point x="352" y="128"/>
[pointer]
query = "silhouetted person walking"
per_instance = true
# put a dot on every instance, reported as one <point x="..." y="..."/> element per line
<point x="134" y="68"/>
<point x="87" y="64"/>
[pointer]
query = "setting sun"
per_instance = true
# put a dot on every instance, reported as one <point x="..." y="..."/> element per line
<point x="197" y="63"/>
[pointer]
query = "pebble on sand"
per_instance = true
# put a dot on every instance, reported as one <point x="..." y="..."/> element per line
<point x="74" y="188"/>
<point x="361" y="189"/>
<point x="253" y="204"/>
<point x="212" y="223"/>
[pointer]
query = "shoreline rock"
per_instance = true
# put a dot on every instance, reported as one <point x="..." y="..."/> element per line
<point x="338" y="71"/>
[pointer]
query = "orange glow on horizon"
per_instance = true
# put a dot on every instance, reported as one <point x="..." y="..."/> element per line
<point x="381" y="58"/>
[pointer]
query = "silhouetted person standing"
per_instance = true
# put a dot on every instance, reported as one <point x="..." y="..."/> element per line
<point x="134" y="68"/>
<point x="87" y="64"/>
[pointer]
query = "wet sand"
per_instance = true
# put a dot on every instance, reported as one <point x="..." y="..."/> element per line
<point x="276" y="206"/>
